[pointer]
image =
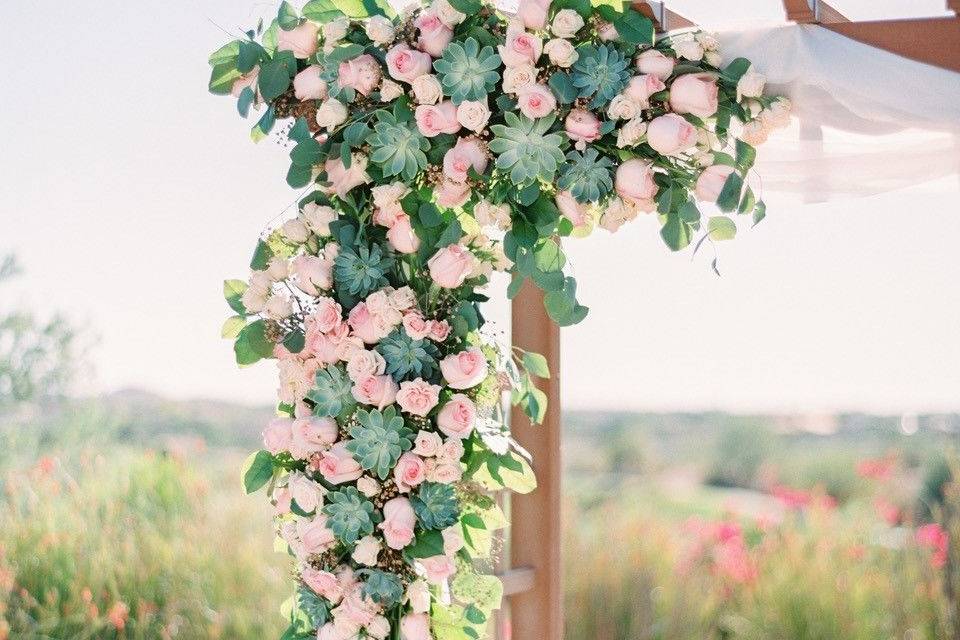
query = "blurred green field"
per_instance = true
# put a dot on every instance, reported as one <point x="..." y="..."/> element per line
<point x="123" y="518"/>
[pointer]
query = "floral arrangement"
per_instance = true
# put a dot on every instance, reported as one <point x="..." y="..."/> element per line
<point x="436" y="147"/>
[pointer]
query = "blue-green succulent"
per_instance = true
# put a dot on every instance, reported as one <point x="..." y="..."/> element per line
<point x="600" y="73"/>
<point x="468" y="72"/>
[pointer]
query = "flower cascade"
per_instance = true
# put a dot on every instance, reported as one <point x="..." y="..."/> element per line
<point x="436" y="147"/>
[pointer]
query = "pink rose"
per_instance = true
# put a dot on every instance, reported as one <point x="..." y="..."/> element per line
<point x="452" y="194"/>
<point x="401" y="235"/>
<point x="418" y="397"/>
<point x="361" y="73"/>
<point x="438" y="568"/>
<point x="366" y="325"/>
<point x="434" y="34"/>
<point x="314" y="534"/>
<point x="521" y="48"/>
<point x="465" y="369"/>
<point x="457" y="417"/>
<point x="447" y="473"/>
<point x="277" y="435"/>
<point x="461" y="157"/>
<point x="325" y="346"/>
<point x="434" y="119"/>
<point x="409" y="472"/>
<point x="670" y="134"/>
<point x="439" y="330"/>
<point x="305" y="492"/>
<point x="387" y="215"/>
<point x="695" y="93"/>
<point x="378" y="391"/>
<point x="415" y="326"/>
<point x="307" y="85"/>
<point x="642" y="87"/>
<point x="711" y="181"/>
<point x="450" y="266"/>
<point x="312" y="435"/>
<point x="338" y="466"/>
<point x="404" y="63"/>
<point x="427" y="444"/>
<point x="415" y="626"/>
<point x="313" y="273"/>
<point x="536" y="100"/>
<point x="655" y="63"/>
<point x="323" y="583"/>
<point x="398" y="523"/>
<point x="327" y="315"/>
<point x="451" y="451"/>
<point x="302" y="40"/>
<point x="281" y="501"/>
<point x="582" y="126"/>
<point x="248" y="79"/>
<point x="570" y="209"/>
<point x="634" y="181"/>
<point x="341" y="179"/>
<point x="533" y="13"/>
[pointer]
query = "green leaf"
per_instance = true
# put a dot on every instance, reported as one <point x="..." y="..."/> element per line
<point x="689" y="212"/>
<point x="562" y="87"/>
<point x="252" y="344"/>
<point x="232" y="327"/>
<point x="300" y="130"/>
<point x="735" y="70"/>
<point x="307" y="153"/>
<point x="675" y="232"/>
<point x="222" y="76"/>
<point x="233" y="291"/>
<point x="245" y="101"/>
<point x="274" y="79"/>
<point x="261" y="256"/>
<point x="759" y="212"/>
<point x="249" y="55"/>
<point x="580" y="6"/>
<point x="721" y="228"/>
<point x="729" y="197"/>
<point x="343" y="52"/>
<point x="321" y="11"/>
<point x="429" y="543"/>
<point x="295" y="341"/>
<point x="748" y="202"/>
<point x="299" y="176"/>
<point x="331" y="393"/>
<point x="746" y="155"/>
<point x="634" y="28"/>
<point x="467" y="7"/>
<point x="536" y="364"/>
<point x="264" y="125"/>
<point x="287" y="17"/>
<point x="257" y="471"/>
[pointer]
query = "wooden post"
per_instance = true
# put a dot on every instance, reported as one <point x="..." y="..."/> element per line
<point x="537" y="612"/>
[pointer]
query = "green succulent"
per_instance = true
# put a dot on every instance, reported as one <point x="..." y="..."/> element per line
<point x="525" y="149"/>
<point x="349" y="515"/>
<point x="407" y="357"/>
<point x="384" y="588"/>
<point x="586" y="175"/>
<point x="361" y="270"/>
<point x="379" y="439"/>
<point x="316" y="608"/>
<point x="436" y="505"/>
<point x="331" y="393"/>
<point x="468" y="72"/>
<point x="601" y="72"/>
<point x="398" y="147"/>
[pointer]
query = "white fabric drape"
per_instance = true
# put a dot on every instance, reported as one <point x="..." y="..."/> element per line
<point x="867" y="121"/>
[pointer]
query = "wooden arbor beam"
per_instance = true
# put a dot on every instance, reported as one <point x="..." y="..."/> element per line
<point x="536" y="603"/>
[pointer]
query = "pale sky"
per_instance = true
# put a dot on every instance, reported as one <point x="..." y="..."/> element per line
<point x="129" y="194"/>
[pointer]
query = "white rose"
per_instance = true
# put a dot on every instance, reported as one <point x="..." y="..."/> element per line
<point x="515" y="78"/>
<point x="368" y="486"/>
<point x="379" y="628"/>
<point x="387" y="195"/>
<point x="707" y="40"/>
<point x="566" y="23"/>
<point x="403" y="298"/>
<point x="631" y="133"/>
<point x="622" y="108"/>
<point x="427" y="89"/>
<point x="254" y="298"/>
<point x="561" y="53"/>
<point x="366" y="551"/>
<point x="335" y="30"/>
<point x="278" y="268"/>
<point x="390" y="90"/>
<point x="473" y="114"/>
<point x="616" y="214"/>
<point x="750" y="85"/>
<point x="278" y="308"/>
<point x="452" y="539"/>
<point x="318" y="217"/>
<point x="713" y="58"/>
<point x="331" y="114"/>
<point x="295" y="231"/>
<point x="380" y="30"/>
<point x="754" y="133"/>
<point x="260" y="279"/>
<point x="418" y="596"/>
<point x="689" y="49"/>
<point x="363" y="363"/>
<point x="492" y="215"/>
<point x="777" y="116"/>
<point x="447" y="14"/>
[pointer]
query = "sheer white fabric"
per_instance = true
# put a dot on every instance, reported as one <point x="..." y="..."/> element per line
<point x="867" y="121"/>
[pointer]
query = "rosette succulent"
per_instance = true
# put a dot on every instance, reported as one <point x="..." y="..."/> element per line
<point x="382" y="587"/>
<point x="361" y="270"/>
<point x="349" y="515"/>
<point x="407" y="357"/>
<point x="436" y="505"/>
<point x="468" y="72"/>
<point x="524" y="147"/>
<point x="379" y="439"/>
<point x="601" y="72"/>
<point x="586" y="175"/>
<point x="398" y="148"/>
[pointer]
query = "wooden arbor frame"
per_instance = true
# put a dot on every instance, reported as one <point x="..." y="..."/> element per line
<point x="532" y="569"/>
